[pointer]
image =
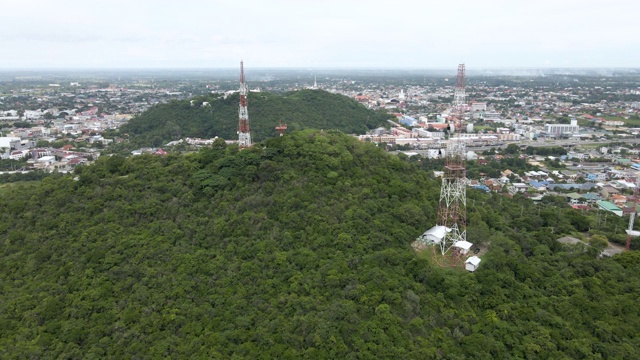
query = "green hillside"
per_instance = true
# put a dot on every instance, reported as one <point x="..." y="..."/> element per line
<point x="306" y="109"/>
<point x="298" y="248"/>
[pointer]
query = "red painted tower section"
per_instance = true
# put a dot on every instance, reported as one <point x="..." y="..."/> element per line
<point x="459" y="96"/>
<point x="281" y="128"/>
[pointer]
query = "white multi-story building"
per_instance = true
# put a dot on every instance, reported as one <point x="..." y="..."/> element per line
<point x="572" y="128"/>
<point x="478" y="107"/>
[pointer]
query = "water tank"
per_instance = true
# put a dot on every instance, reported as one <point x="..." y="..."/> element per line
<point x="470" y="128"/>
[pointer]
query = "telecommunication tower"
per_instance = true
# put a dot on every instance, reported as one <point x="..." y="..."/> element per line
<point x="244" y="131"/>
<point x="630" y="232"/>
<point x="452" y="211"/>
<point x="449" y="236"/>
<point x="459" y="97"/>
<point x="281" y="128"/>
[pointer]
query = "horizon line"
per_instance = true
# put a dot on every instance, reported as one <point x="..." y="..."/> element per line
<point x="324" y="68"/>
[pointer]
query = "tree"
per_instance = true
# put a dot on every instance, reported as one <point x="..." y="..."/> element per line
<point x="512" y="149"/>
<point x="600" y="242"/>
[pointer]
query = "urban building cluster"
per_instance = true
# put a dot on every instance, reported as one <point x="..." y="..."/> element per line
<point x="609" y="183"/>
<point x="483" y="112"/>
<point x="34" y="116"/>
<point x="500" y="116"/>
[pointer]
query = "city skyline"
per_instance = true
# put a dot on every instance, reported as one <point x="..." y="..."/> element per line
<point x="36" y="34"/>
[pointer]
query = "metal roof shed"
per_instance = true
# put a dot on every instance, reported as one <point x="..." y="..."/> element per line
<point x="463" y="245"/>
<point x="472" y="263"/>
<point x="434" y="235"/>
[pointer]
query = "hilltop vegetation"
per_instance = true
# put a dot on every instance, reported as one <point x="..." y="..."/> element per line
<point x="296" y="248"/>
<point x="306" y="109"/>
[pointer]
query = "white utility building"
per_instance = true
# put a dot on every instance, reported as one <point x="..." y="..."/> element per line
<point x="463" y="246"/>
<point x="434" y="235"/>
<point x="472" y="263"/>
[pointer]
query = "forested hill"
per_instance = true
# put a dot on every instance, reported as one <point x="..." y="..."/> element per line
<point x="306" y="109"/>
<point x="296" y="248"/>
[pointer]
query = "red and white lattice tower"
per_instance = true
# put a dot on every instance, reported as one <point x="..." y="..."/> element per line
<point x="449" y="236"/>
<point x="244" y="131"/>
<point x="459" y="96"/>
<point x="452" y="211"/>
<point x="630" y="232"/>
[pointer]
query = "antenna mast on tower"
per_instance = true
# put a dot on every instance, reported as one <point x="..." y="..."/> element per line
<point x="459" y="96"/>
<point x="244" y="131"/>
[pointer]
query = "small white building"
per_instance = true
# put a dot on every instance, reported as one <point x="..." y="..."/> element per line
<point x="18" y="154"/>
<point x="435" y="235"/>
<point x="463" y="246"/>
<point x="47" y="159"/>
<point x="472" y="263"/>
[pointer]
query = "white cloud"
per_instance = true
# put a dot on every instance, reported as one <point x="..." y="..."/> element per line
<point x="401" y="33"/>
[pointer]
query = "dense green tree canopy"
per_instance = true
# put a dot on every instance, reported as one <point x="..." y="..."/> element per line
<point x="305" y="109"/>
<point x="296" y="248"/>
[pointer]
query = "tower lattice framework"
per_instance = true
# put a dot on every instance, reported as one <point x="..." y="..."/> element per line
<point x="452" y="211"/>
<point x="244" y="130"/>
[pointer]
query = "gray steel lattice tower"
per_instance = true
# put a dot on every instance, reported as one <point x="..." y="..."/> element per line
<point x="244" y="131"/>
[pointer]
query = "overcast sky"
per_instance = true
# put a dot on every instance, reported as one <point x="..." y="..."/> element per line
<point x="319" y="33"/>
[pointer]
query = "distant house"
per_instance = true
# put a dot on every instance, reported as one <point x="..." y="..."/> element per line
<point x="574" y="198"/>
<point x="506" y="173"/>
<point x="618" y="199"/>
<point x="588" y="186"/>
<point x="493" y="184"/>
<point x="572" y="175"/>
<point x="536" y="174"/>
<point x="607" y="191"/>
<point x="591" y="197"/>
<point x="596" y="176"/>
<point x="518" y="188"/>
